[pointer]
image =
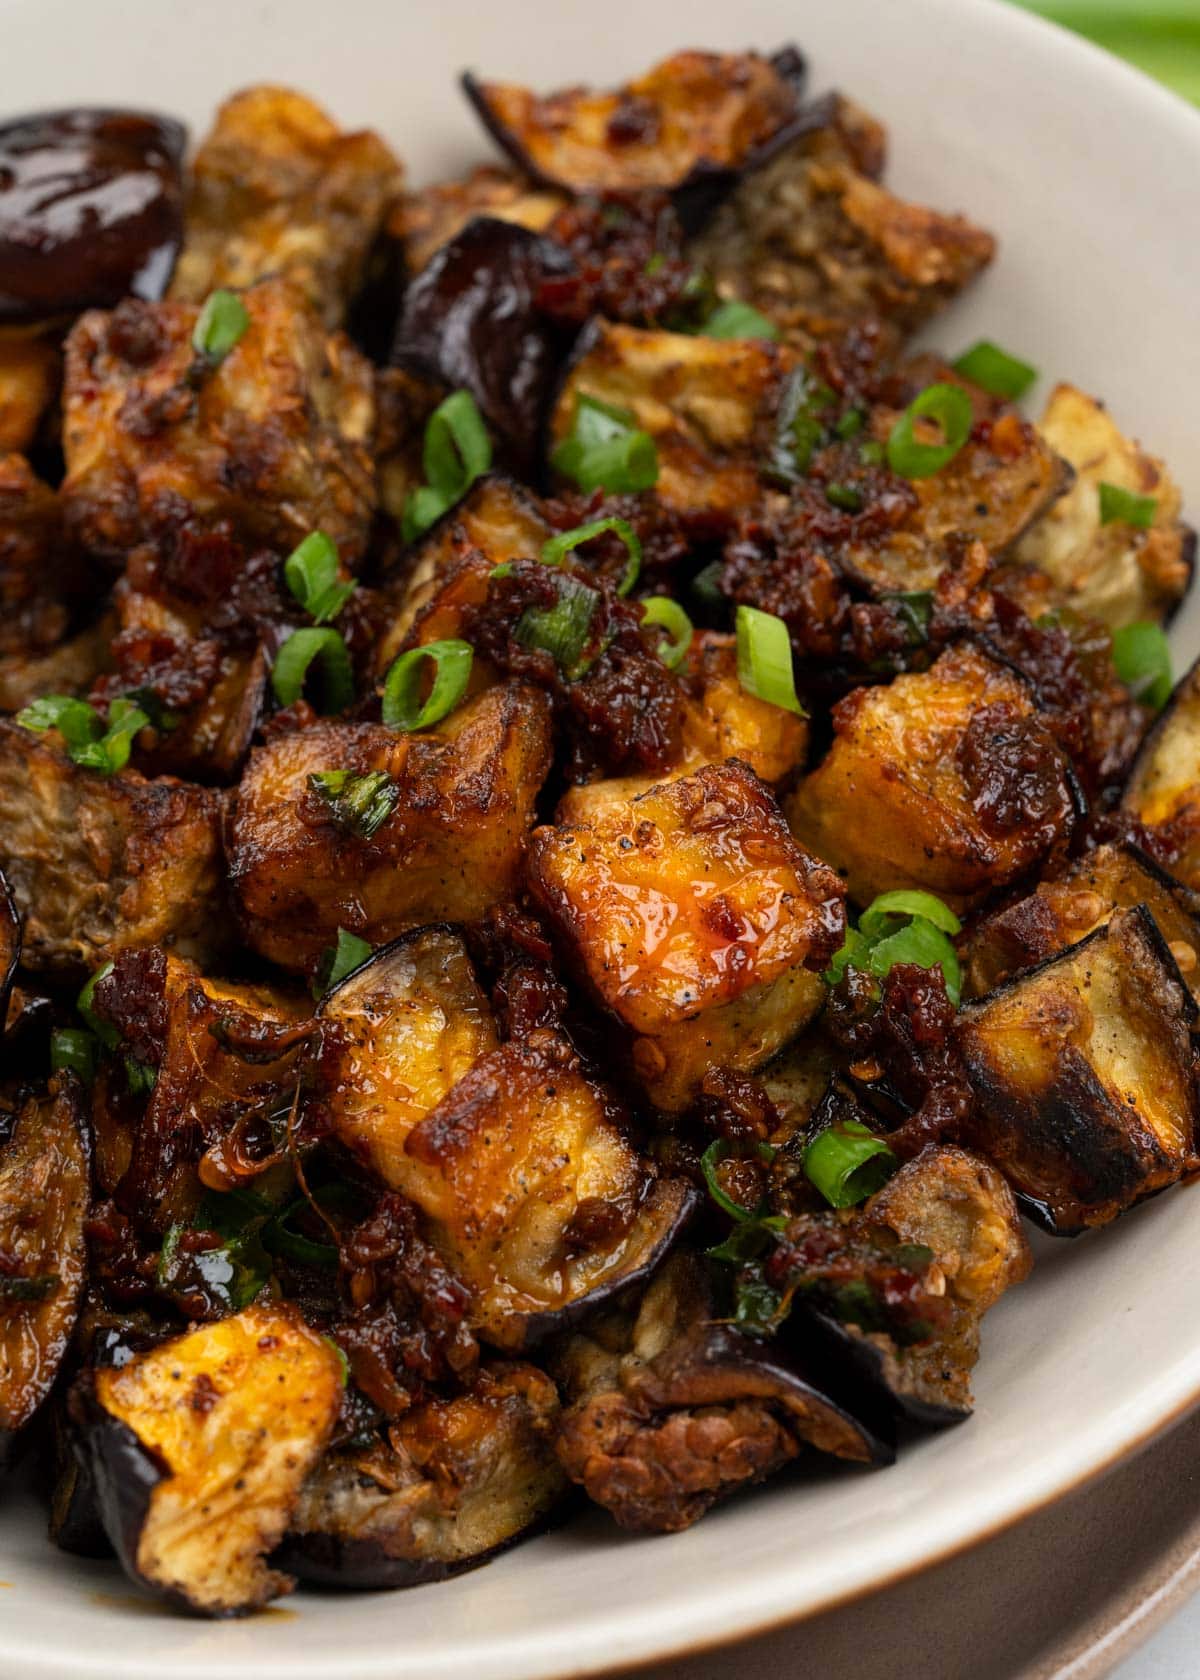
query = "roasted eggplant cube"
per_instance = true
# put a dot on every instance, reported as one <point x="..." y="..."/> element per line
<point x="1116" y="573"/>
<point x="534" y="1194"/>
<point x="695" y="112"/>
<point x="397" y="1036"/>
<point x="670" y="1410"/>
<point x="1084" y="1074"/>
<point x="455" y="1481"/>
<point x="272" y="438"/>
<point x="696" y="921"/>
<point x="44" y="1192"/>
<point x="199" y="1449"/>
<point x="708" y="403"/>
<point x="1066" y="908"/>
<point x="98" y="864"/>
<point x="817" y="245"/>
<point x="942" y="780"/>
<point x="278" y="188"/>
<point x="40" y="578"/>
<point x="452" y="845"/>
<point x="425" y="221"/>
<point x="1163" y="791"/>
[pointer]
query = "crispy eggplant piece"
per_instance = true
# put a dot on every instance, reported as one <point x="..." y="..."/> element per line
<point x="29" y="374"/>
<point x="960" y="1210"/>
<point x="1115" y="573"/>
<point x="278" y="188"/>
<point x="98" y="864"/>
<point x="273" y="438"/>
<point x="10" y="944"/>
<point x="696" y="921"/>
<point x="44" y="1190"/>
<point x="1085" y="1075"/>
<point x="74" y="1523"/>
<point x="470" y="321"/>
<point x="199" y="1449"/>
<point x="1068" y="907"/>
<point x="708" y="403"/>
<point x="497" y="520"/>
<point x="1163" y="790"/>
<point x="453" y="1482"/>
<point x="41" y="577"/>
<point x="452" y="845"/>
<point x="70" y="667"/>
<point x="812" y="240"/>
<point x="942" y="780"/>
<point x="670" y="1410"/>
<point x="721" y="720"/>
<point x="91" y="210"/>
<point x="693" y="115"/>
<point x="425" y="221"/>
<point x="534" y="1194"/>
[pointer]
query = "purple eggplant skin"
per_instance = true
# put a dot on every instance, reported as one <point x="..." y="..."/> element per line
<point x="10" y="945"/>
<point x="325" y="1560"/>
<point x="470" y="319"/>
<point x="122" y="1471"/>
<point x="91" y="210"/>
<point x="854" y="1367"/>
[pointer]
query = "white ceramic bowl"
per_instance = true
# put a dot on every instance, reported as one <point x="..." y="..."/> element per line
<point x="1089" y="175"/>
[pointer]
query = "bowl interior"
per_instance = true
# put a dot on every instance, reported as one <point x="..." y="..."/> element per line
<point x="1087" y="173"/>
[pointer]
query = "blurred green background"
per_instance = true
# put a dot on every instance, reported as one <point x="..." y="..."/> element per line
<point x="1161" y="37"/>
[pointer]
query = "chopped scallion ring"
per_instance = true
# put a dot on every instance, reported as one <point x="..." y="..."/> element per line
<point x="361" y="804"/>
<point x="950" y="407"/>
<point x="328" y="650"/>
<point x="556" y="549"/>
<point x="104" y="1030"/>
<point x="563" y="630"/>
<point x="457" y="450"/>
<point x="764" y="659"/>
<point x="606" y="450"/>
<point x="908" y="901"/>
<point x="736" y="319"/>
<point x="337" y="961"/>
<point x="220" y="325"/>
<point x="403" y="707"/>
<point x="311" y="573"/>
<point x="1142" y="659"/>
<point x="985" y="364"/>
<point x="660" y="609"/>
<point x="74" y="1049"/>
<point x="848" y="1163"/>
<point x="1126" y="507"/>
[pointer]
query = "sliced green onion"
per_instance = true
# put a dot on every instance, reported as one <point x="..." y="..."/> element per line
<point x="337" y="961"/>
<point x="89" y="742"/>
<point x="922" y="944"/>
<point x="673" y="648"/>
<point x="556" y="549"/>
<point x="764" y="659"/>
<point x="950" y="407"/>
<point x="311" y="573"/>
<point x="220" y="325"/>
<point x="706" y="585"/>
<point x="606" y="450"/>
<point x="298" y="653"/>
<point x="360" y="804"/>
<point x="279" y="1237"/>
<point x="915" y="608"/>
<point x="74" y="1049"/>
<point x="994" y="370"/>
<point x="871" y="453"/>
<point x="1126" y="507"/>
<point x="564" y="629"/>
<point x="906" y="901"/>
<point x="1142" y="659"/>
<point x="140" y="1077"/>
<point x="709" y="1162"/>
<point x="104" y="1030"/>
<point x="799" y="432"/>
<point x="736" y="319"/>
<point x="848" y="1163"/>
<point x="844" y="496"/>
<point x="403" y="707"/>
<point x="851" y="423"/>
<point x="457" y="450"/>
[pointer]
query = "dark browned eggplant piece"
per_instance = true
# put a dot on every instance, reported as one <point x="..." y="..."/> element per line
<point x="44" y="1189"/>
<point x="670" y="1410"/>
<point x="91" y="210"/>
<point x="534" y="1194"/>
<point x="961" y="1212"/>
<point x="454" y="1482"/>
<point x="694" y="115"/>
<point x="423" y="221"/>
<point x="199" y="1448"/>
<point x="1069" y="906"/>
<point x="1113" y="572"/>
<point x="1085" y="1075"/>
<point x="1163" y="791"/>
<point x="30" y="370"/>
<point x="74" y="1524"/>
<point x="10" y="945"/>
<point x="470" y="319"/>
